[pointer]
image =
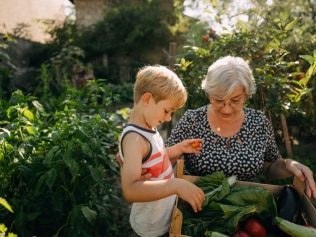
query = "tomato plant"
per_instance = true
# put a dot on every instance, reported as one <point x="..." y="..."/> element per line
<point x="206" y="38"/>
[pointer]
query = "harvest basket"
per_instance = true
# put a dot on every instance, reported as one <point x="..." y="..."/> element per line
<point x="306" y="205"/>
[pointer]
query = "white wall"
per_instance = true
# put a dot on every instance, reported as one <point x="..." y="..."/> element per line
<point x="27" y="12"/>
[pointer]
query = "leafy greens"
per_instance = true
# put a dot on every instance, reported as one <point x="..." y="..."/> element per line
<point x="226" y="205"/>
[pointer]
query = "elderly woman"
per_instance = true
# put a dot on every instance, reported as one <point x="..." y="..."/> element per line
<point x="236" y="140"/>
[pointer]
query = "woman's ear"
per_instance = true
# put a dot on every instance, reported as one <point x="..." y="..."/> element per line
<point x="208" y="97"/>
<point x="146" y="98"/>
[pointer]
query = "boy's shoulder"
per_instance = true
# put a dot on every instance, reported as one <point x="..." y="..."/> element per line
<point x="137" y="129"/>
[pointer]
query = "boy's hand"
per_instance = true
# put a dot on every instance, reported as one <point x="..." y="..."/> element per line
<point x="191" y="194"/>
<point x="145" y="174"/>
<point x="191" y="146"/>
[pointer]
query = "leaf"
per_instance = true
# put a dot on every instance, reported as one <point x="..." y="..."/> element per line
<point x="235" y="214"/>
<point x="86" y="149"/>
<point x="308" y="58"/>
<point x="226" y="205"/>
<point x="50" y="155"/>
<point x="30" y="129"/>
<point x="9" y="112"/>
<point x="39" y="185"/>
<point x="6" y="131"/>
<point x="4" y="203"/>
<point x="28" y="114"/>
<point x="37" y="105"/>
<point x="261" y="198"/>
<point x="89" y="214"/>
<point x="291" y="24"/>
<point x="72" y="165"/>
<point x="50" y="177"/>
<point x="96" y="174"/>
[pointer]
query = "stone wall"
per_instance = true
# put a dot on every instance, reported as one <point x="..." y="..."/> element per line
<point x="89" y="12"/>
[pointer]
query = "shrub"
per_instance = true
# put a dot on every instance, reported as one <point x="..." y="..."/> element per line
<point x="58" y="169"/>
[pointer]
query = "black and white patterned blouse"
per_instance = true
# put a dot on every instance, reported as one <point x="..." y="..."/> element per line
<point x="242" y="155"/>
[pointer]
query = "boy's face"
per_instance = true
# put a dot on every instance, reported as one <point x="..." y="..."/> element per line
<point x="158" y="113"/>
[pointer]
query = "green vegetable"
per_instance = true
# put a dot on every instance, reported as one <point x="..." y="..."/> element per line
<point x="293" y="229"/>
<point x="225" y="206"/>
<point x="214" y="234"/>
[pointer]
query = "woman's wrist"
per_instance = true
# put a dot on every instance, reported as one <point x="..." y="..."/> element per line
<point x="286" y="161"/>
<point x="279" y="169"/>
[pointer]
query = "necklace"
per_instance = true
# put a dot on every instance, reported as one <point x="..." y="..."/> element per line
<point x="216" y="126"/>
<point x="215" y="121"/>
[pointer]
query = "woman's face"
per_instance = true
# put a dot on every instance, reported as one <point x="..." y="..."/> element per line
<point x="230" y="108"/>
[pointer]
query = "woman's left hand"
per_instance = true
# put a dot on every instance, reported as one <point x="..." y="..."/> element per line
<point x="304" y="174"/>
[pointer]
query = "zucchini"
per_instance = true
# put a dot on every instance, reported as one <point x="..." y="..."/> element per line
<point x="214" y="234"/>
<point x="293" y="229"/>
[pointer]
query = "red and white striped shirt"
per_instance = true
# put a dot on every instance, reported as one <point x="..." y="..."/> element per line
<point x="150" y="219"/>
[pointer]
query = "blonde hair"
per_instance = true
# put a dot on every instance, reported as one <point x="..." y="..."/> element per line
<point x="227" y="73"/>
<point x="162" y="83"/>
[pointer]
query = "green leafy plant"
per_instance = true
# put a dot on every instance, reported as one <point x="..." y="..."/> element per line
<point x="225" y="205"/>
<point x="58" y="169"/>
<point x="3" y="228"/>
<point x="301" y="88"/>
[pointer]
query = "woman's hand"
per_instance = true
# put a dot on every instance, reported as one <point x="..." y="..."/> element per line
<point x="145" y="174"/>
<point x="304" y="174"/>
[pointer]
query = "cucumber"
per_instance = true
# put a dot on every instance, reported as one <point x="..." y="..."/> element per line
<point x="214" y="234"/>
<point x="293" y="229"/>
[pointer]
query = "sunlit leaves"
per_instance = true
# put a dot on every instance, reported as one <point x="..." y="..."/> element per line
<point x="4" y="203"/>
<point x="214" y="3"/>
<point x="291" y="25"/>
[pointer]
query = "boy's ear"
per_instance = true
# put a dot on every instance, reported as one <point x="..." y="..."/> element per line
<point x="146" y="98"/>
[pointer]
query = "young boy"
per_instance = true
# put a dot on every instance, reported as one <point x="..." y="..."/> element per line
<point x="157" y="93"/>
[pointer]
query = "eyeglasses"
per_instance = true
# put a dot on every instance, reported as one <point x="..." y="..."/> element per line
<point x="234" y="103"/>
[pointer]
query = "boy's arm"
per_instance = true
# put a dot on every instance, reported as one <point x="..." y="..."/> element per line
<point x="137" y="190"/>
<point x="145" y="174"/>
<point x="176" y="151"/>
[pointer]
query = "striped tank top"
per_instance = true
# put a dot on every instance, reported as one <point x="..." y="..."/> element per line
<point x="149" y="219"/>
